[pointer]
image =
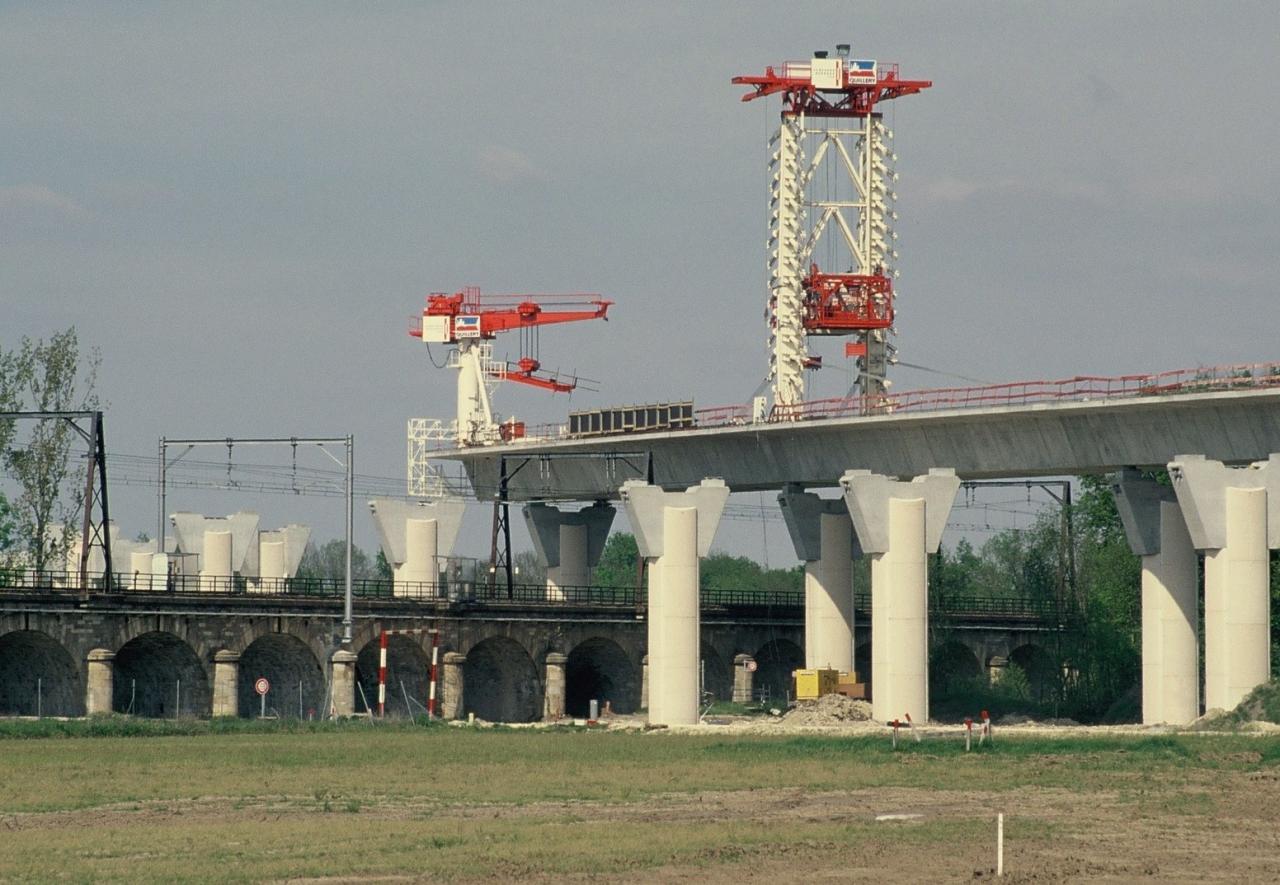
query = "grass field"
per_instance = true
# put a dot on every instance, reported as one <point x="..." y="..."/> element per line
<point x="250" y="802"/>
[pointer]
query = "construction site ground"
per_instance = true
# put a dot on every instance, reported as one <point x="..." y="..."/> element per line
<point x="742" y="801"/>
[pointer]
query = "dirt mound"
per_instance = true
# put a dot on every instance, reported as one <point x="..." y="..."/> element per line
<point x="831" y="709"/>
<point x="1260" y="705"/>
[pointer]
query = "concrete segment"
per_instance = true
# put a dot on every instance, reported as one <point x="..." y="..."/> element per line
<point x="544" y="523"/>
<point x="645" y="505"/>
<point x="674" y="530"/>
<point x="866" y="494"/>
<point x="899" y="524"/>
<point x="568" y="543"/>
<point x="390" y="516"/>
<point x="190" y="530"/>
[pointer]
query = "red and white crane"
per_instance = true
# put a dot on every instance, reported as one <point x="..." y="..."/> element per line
<point x="471" y="323"/>
<point x="831" y="199"/>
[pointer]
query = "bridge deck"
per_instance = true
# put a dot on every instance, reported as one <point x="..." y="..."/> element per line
<point x="1037" y="439"/>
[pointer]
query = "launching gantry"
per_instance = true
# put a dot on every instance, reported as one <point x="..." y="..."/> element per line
<point x="832" y="169"/>
<point x="470" y="323"/>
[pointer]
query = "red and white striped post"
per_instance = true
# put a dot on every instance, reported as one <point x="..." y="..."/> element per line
<point x="435" y="658"/>
<point x="382" y="666"/>
<point x="382" y="675"/>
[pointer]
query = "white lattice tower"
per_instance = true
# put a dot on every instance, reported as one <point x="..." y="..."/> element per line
<point x="787" y="260"/>
<point x="856" y="213"/>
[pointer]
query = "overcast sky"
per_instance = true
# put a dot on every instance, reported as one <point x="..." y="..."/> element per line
<point x="241" y="205"/>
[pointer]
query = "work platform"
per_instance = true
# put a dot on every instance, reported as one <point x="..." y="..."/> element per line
<point x="1082" y="436"/>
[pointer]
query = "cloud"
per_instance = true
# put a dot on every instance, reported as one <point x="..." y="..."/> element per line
<point x="35" y="202"/>
<point x="504" y="165"/>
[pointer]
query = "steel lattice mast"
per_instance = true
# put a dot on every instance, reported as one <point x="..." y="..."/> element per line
<point x="830" y="133"/>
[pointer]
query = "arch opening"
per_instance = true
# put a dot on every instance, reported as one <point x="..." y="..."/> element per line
<point x="38" y="677"/>
<point x="952" y="664"/>
<point x="296" y="677"/>
<point x="717" y="681"/>
<point x="598" y="669"/>
<point x="1039" y="668"/>
<point x="408" y="673"/>
<point x="775" y="662"/>
<point x="159" y="676"/>
<point x="501" y="683"/>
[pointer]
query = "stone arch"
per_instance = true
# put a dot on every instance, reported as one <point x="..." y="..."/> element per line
<point x="501" y="682"/>
<point x="599" y="669"/>
<point x="775" y="661"/>
<point x="288" y="663"/>
<point x="1040" y="669"/>
<point x="717" y="677"/>
<point x="862" y="662"/>
<point x="158" y="675"/>
<point x="408" y="671"/>
<point x="38" y="675"/>
<point x="951" y="662"/>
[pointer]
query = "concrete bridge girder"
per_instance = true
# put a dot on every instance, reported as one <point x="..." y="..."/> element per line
<point x="1234" y="426"/>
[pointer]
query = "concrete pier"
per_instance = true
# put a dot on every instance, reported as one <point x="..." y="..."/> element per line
<point x="417" y="537"/>
<point x="898" y="524"/>
<point x="674" y="531"/>
<point x="1157" y="532"/>
<point x="822" y="534"/>
<point x="568" y="543"/>
<point x="1226" y="512"/>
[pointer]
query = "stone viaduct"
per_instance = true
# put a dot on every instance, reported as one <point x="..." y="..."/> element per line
<point x="194" y="653"/>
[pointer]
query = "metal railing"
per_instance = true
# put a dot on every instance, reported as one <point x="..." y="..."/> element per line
<point x="1082" y="388"/>
<point x="25" y="582"/>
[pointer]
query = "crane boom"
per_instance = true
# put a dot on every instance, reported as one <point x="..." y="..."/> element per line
<point x="471" y="322"/>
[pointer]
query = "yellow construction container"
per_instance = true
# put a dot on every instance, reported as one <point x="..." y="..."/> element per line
<point x="812" y="684"/>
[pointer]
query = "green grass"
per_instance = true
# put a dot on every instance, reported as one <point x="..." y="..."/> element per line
<point x="245" y="800"/>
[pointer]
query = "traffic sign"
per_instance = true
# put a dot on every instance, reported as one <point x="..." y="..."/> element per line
<point x="751" y="666"/>
<point x="262" y="686"/>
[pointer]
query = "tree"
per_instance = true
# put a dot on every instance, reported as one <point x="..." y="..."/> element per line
<point x="50" y="376"/>
<point x="618" y="561"/>
<point x="528" y="569"/>
<point x="329" y="562"/>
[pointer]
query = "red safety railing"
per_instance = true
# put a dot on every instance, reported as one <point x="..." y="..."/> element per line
<point x="1082" y="388"/>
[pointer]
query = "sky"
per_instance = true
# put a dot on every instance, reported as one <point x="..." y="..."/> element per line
<point x="241" y="206"/>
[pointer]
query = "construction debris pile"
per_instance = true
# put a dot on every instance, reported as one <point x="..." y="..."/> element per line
<point x="830" y="709"/>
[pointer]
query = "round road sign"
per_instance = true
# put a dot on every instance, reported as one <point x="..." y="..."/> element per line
<point x="751" y="666"/>
<point x="262" y="686"/>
